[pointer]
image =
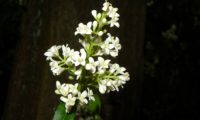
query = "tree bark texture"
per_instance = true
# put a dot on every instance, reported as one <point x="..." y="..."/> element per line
<point x="53" y="22"/>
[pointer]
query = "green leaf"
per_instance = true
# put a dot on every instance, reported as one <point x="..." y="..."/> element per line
<point x="94" y="106"/>
<point x="61" y="114"/>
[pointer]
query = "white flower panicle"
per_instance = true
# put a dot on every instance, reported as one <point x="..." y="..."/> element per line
<point x="87" y="67"/>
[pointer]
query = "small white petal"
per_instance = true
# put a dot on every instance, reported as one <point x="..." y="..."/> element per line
<point x="58" y="85"/>
<point x="88" y="67"/>
<point x="64" y="99"/>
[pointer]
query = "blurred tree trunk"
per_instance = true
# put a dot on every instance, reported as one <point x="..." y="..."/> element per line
<point x="48" y="22"/>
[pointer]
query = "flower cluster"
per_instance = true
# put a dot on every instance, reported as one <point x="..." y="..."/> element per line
<point x="70" y="93"/>
<point x="87" y="67"/>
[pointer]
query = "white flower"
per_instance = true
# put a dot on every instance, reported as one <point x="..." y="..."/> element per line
<point x="111" y="46"/>
<point x="111" y="85"/>
<point x="91" y="65"/>
<point x="58" y="86"/>
<point x="114" y="85"/>
<point x="79" y="59"/>
<point x="78" y="73"/>
<point x="124" y="77"/>
<point x="102" y="86"/>
<point x="65" y="50"/>
<point x="107" y="46"/>
<point x="112" y="13"/>
<point x="114" y="67"/>
<point x="75" y="57"/>
<point x="67" y="53"/>
<point x="52" y="52"/>
<point x="82" y="97"/>
<point x="121" y="70"/>
<point x="55" y="67"/>
<point x="69" y="101"/>
<point x="114" y="22"/>
<point x="73" y="89"/>
<point x="102" y="65"/>
<point x="65" y="89"/>
<point x="117" y="47"/>
<point x="108" y="85"/>
<point x="90" y="95"/>
<point x="62" y="89"/>
<point x="105" y="6"/>
<point x="84" y="29"/>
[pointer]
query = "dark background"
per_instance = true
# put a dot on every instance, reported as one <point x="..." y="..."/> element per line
<point x="160" y="49"/>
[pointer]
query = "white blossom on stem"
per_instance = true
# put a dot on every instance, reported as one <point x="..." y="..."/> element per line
<point x="82" y="97"/>
<point x="102" y="86"/>
<point x="79" y="57"/>
<point x="69" y="101"/>
<point x="84" y="29"/>
<point x="111" y="46"/>
<point x="78" y="73"/>
<point x="56" y="68"/>
<point x="105" y="6"/>
<point x="90" y="95"/>
<point x="91" y="65"/>
<point x="52" y="52"/>
<point x="87" y="65"/>
<point x="102" y="65"/>
<point x="112" y="13"/>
